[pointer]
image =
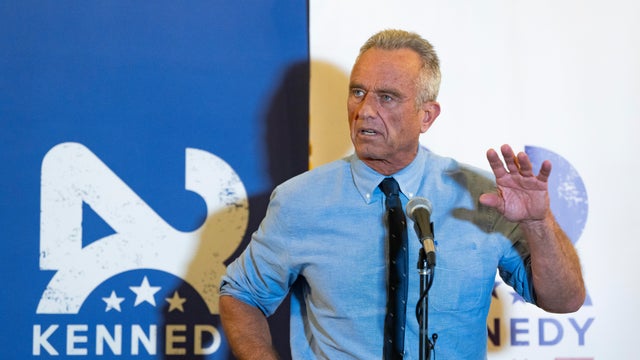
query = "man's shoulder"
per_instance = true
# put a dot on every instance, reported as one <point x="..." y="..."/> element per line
<point x="461" y="173"/>
<point x="320" y="176"/>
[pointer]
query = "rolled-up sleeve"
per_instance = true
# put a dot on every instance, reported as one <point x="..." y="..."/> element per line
<point x="515" y="265"/>
<point x="262" y="275"/>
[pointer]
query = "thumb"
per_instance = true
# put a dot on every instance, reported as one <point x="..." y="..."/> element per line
<point x="491" y="200"/>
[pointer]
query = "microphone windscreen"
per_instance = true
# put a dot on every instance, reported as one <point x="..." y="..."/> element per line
<point x="416" y="203"/>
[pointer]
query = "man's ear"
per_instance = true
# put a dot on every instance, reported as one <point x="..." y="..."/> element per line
<point x="431" y="111"/>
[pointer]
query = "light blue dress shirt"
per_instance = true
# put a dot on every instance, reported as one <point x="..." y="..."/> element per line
<point x="324" y="239"/>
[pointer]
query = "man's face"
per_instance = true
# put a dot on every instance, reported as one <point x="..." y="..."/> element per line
<point x="384" y="121"/>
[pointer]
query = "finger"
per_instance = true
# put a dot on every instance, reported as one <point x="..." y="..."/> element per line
<point x="496" y="164"/>
<point x="526" y="169"/>
<point x="509" y="158"/>
<point x="545" y="171"/>
<point x="492" y="200"/>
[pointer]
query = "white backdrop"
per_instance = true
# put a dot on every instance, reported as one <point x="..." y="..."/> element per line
<point x="562" y="75"/>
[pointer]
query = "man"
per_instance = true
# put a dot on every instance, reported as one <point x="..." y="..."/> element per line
<point x="324" y="236"/>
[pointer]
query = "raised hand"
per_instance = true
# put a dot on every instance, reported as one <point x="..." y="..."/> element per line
<point x="521" y="195"/>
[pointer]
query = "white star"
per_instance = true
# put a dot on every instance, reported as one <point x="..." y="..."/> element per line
<point x="113" y="302"/>
<point x="144" y="292"/>
<point x="175" y="302"/>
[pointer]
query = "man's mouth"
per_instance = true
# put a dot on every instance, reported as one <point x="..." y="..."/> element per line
<point x="368" y="132"/>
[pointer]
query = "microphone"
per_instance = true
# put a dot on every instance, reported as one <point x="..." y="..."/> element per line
<point x="419" y="210"/>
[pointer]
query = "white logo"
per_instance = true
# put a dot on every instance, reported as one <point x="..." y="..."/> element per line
<point x="73" y="175"/>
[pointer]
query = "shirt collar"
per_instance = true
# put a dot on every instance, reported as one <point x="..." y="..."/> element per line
<point x="367" y="180"/>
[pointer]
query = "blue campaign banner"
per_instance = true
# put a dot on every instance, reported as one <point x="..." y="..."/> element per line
<point x="140" y="141"/>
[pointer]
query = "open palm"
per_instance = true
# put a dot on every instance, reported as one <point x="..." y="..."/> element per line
<point x="521" y="195"/>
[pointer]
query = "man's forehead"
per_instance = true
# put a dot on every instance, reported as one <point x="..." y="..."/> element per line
<point x="404" y="60"/>
<point x="402" y="55"/>
<point x="385" y="68"/>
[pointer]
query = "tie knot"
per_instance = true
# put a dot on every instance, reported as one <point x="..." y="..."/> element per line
<point x="389" y="187"/>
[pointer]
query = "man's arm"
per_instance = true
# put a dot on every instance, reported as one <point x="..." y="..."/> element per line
<point x="557" y="276"/>
<point x="524" y="198"/>
<point x="247" y="330"/>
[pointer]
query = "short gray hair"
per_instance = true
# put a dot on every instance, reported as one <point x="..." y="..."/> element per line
<point x="428" y="83"/>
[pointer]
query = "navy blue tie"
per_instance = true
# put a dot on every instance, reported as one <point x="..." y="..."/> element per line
<point x="397" y="283"/>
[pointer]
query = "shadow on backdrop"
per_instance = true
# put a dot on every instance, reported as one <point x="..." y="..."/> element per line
<point x="286" y="146"/>
<point x="329" y="127"/>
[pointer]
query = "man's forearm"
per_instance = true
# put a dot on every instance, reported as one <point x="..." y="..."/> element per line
<point x="247" y="330"/>
<point x="557" y="274"/>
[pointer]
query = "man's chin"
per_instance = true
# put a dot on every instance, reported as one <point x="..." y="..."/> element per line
<point x="368" y="154"/>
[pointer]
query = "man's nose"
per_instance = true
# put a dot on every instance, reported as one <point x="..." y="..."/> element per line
<point x="368" y="106"/>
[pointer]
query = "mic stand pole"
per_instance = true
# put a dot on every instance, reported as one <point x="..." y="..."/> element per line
<point x="422" y="314"/>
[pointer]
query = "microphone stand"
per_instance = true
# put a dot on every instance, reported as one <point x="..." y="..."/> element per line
<point x="426" y="271"/>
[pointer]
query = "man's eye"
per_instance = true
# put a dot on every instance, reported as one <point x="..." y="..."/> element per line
<point x="357" y="93"/>
<point x="386" y="98"/>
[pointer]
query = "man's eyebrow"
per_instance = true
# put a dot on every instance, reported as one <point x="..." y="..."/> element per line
<point x="353" y="85"/>
<point x="390" y="91"/>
